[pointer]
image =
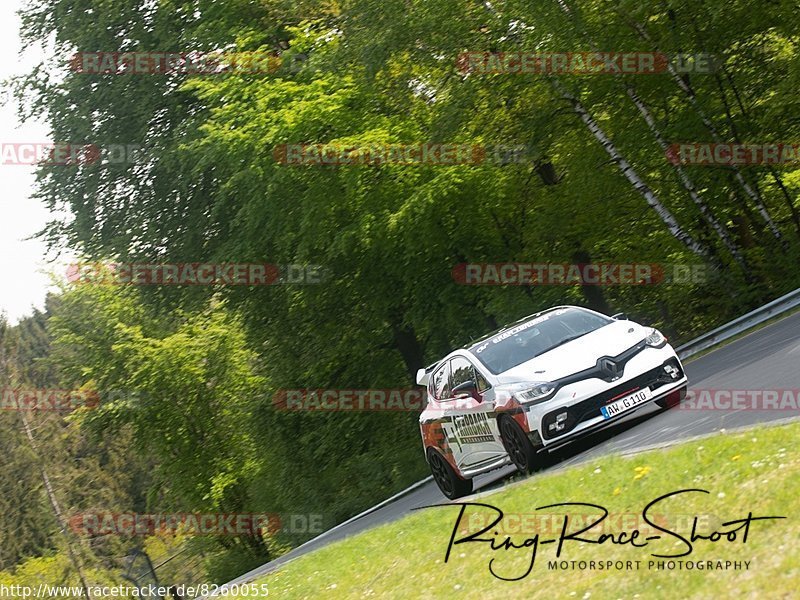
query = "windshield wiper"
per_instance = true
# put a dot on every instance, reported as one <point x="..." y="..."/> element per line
<point x="566" y="340"/>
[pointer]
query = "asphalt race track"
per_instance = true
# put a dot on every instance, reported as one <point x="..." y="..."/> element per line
<point x="766" y="359"/>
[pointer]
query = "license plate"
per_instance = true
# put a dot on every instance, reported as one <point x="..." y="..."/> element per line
<point x="626" y="403"/>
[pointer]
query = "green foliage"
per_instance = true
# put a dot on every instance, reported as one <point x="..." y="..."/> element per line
<point x="188" y="388"/>
<point x="190" y="373"/>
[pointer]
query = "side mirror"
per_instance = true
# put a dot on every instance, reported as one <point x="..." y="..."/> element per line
<point x="620" y="317"/>
<point x="465" y="390"/>
<point x="422" y="377"/>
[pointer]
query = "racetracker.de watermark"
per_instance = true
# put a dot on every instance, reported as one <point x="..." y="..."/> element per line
<point x="712" y="154"/>
<point x="66" y="154"/>
<point x="195" y="524"/>
<point x="552" y="524"/>
<point x="183" y="63"/>
<point x="156" y="592"/>
<point x="584" y="63"/>
<point x="744" y="400"/>
<point x="47" y="399"/>
<point x="447" y="154"/>
<point x="247" y="274"/>
<point x="599" y="274"/>
<point x="341" y="400"/>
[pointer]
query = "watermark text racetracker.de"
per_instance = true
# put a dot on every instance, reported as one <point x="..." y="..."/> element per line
<point x="47" y="399"/>
<point x="612" y="523"/>
<point x="336" y="400"/>
<point x="742" y="400"/>
<point x="97" y="524"/>
<point x="183" y="63"/>
<point x="584" y="63"/>
<point x="247" y="274"/>
<point x="600" y="274"/>
<point x="157" y="592"/>
<point x="721" y="154"/>
<point x="376" y="154"/>
<point x="58" y="400"/>
<point x="67" y="154"/>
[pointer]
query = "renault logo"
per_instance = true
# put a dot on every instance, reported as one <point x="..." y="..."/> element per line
<point x="609" y="368"/>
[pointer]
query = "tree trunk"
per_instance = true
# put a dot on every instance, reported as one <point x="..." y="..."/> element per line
<point x="51" y="496"/>
<point x="687" y="183"/>
<point x="687" y="89"/>
<point x="406" y="342"/>
<point x="630" y="174"/>
<point x="593" y="293"/>
<point x="775" y="176"/>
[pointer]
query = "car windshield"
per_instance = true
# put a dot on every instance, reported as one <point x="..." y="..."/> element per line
<point x="519" y="343"/>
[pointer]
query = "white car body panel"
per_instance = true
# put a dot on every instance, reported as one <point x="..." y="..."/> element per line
<point x="466" y="430"/>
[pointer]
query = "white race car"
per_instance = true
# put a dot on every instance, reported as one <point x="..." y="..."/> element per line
<point x="536" y="385"/>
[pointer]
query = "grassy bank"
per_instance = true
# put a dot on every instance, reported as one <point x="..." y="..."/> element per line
<point x="757" y="471"/>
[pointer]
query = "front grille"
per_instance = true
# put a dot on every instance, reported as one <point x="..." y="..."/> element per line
<point x="590" y="408"/>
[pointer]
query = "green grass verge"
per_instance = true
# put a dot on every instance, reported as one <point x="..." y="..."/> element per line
<point x="757" y="470"/>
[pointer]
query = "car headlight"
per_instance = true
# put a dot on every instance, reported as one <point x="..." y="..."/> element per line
<point x="655" y="339"/>
<point x="538" y="393"/>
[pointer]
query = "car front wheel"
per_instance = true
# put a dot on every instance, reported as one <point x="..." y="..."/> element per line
<point x="446" y="478"/>
<point x="518" y="446"/>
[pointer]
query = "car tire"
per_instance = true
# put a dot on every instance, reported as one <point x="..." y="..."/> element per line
<point x="451" y="485"/>
<point x="519" y="448"/>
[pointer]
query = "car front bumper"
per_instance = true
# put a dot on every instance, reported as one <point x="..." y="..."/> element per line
<point x="582" y="402"/>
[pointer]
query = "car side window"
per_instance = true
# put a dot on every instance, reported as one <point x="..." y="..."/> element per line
<point x="461" y="371"/>
<point x="440" y="387"/>
<point x="483" y="385"/>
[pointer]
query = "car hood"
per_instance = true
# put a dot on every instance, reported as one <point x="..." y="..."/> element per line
<point x="578" y="354"/>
